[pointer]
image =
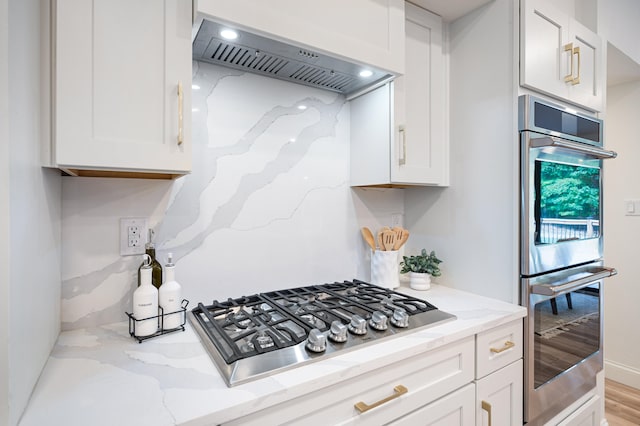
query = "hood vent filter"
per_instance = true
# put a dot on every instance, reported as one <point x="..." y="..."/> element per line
<point x="260" y="55"/>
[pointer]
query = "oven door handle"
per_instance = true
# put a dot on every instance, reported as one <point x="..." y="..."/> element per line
<point x="592" y="151"/>
<point x="559" y="289"/>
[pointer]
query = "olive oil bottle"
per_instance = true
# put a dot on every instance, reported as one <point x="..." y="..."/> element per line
<point x="156" y="268"/>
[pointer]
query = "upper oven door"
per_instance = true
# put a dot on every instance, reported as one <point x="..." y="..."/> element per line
<point x="561" y="211"/>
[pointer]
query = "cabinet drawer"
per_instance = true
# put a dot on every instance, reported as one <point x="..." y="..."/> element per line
<point x="426" y="376"/>
<point x="453" y="409"/>
<point x="498" y="347"/>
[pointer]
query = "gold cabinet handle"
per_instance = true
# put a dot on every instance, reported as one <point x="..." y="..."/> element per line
<point x="180" y="114"/>
<point x="397" y="391"/>
<point x="569" y="48"/>
<point x="403" y="159"/>
<point x="507" y="345"/>
<point x="487" y="407"/>
<point x="576" y="51"/>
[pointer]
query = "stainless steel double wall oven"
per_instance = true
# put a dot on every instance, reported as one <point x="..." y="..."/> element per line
<point x="561" y="268"/>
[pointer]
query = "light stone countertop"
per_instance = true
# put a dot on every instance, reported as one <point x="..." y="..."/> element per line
<point x="102" y="376"/>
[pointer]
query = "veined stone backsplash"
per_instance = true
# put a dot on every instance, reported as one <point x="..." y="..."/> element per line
<point x="267" y="205"/>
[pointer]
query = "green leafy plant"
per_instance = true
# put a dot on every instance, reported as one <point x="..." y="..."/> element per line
<point x="422" y="263"/>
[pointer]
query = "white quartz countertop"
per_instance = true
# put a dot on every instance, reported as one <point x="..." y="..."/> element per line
<point x="102" y="376"/>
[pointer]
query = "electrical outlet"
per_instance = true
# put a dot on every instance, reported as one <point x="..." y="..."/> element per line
<point x="397" y="220"/>
<point x="133" y="235"/>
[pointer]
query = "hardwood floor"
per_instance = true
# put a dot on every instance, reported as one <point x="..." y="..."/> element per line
<point x="621" y="404"/>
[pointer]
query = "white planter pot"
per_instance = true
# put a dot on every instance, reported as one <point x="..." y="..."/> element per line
<point x="419" y="281"/>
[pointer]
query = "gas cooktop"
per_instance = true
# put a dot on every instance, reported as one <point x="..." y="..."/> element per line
<point x="253" y="336"/>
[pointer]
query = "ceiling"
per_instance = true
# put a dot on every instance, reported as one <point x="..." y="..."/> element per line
<point x="449" y="10"/>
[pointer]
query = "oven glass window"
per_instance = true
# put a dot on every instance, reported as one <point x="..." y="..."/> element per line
<point x="567" y="331"/>
<point x="567" y="205"/>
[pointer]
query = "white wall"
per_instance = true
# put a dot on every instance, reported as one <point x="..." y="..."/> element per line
<point x="4" y="213"/>
<point x="618" y="24"/>
<point x="33" y="201"/>
<point x="473" y="224"/>
<point x="267" y="206"/>
<point x="622" y="181"/>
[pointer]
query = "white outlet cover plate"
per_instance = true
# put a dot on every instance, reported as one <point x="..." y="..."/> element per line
<point x="125" y="223"/>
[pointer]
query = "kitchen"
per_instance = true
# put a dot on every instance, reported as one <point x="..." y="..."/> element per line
<point x="95" y="280"/>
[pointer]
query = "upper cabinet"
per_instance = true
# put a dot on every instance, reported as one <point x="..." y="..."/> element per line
<point x="363" y="31"/>
<point x="121" y="88"/>
<point x="559" y="56"/>
<point x="398" y="134"/>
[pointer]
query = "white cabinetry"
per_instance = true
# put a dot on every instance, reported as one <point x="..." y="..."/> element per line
<point x="436" y="387"/>
<point x="364" y="31"/>
<point x="451" y="410"/>
<point x="587" y="415"/>
<point x="499" y="397"/>
<point x="398" y="135"/>
<point x="116" y="69"/>
<point x="386" y="394"/>
<point x="559" y="56"/>
<point x="499" y="370"/>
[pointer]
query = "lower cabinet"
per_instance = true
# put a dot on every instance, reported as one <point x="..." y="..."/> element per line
<point x="499" y="397"/>
<point x="436" y="387"/>
<point x="457" y="408"/>
<point x="587" y="415"/>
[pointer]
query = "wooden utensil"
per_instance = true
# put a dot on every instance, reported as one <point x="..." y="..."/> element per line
<point x="368" y="237"/>
<point x="389" y="240"/>
<point x="398" y="230"/>
<point x="380" y="241"/>
<point x="403" y="239"/>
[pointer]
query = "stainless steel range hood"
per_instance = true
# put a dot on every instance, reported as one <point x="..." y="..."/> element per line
<point x="253" y="53"/>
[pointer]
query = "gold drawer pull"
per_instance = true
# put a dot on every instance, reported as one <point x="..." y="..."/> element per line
<point x="569" y="48"/>
<point x="487" y="407"/>
<point x="576" y="51"/>
<point x="507" y="345"/>
<point x="397" y="391"/>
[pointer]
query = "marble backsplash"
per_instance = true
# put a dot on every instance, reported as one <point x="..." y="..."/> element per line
<point x="268" y="204"/>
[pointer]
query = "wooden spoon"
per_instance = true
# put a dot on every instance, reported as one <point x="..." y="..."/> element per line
<point x="368" y="237"/>
<point x="381" y="241"/>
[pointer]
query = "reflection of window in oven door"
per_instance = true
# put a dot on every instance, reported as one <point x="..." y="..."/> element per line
<point x="565" y="339"/>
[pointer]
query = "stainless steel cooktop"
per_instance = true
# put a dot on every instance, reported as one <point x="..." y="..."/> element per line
<point x="253" y="336"/>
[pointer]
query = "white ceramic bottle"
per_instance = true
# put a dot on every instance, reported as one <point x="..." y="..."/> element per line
<point x="170" y="297"/>
<point x="145" y="302"/>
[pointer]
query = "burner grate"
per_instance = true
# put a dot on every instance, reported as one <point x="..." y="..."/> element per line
<point x="253" y="325"/>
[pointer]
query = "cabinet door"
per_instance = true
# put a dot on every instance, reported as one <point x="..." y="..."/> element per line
<point x="544" y="63"/>
<point x="499" y="397"/>
<point x="587" y="415"/>
<point x="370" y="32"/>
<point x="588" y="67"/>
<point x="455" y="409"/>
<point x="118" y="65"/>
<point x="559" y="56"/>
<point x="420" y="150"/>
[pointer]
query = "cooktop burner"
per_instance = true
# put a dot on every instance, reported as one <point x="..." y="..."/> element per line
<point x="252" y="336"/>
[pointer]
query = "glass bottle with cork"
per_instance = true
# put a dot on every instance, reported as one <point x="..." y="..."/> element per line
<point x="156" y="268"/>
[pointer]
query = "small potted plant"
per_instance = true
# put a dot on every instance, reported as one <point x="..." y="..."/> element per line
<point x="420" y="269"/>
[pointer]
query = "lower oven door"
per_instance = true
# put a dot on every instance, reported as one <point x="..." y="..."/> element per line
<point x="563" y="338"/>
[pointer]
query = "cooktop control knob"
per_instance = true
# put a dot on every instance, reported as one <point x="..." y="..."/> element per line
<point x="338" y="332"/>
<point x="378" y="321"/>
<point x="358" y="325"/>
<point x="316" y="342"/>
<point x="400" y="318"/>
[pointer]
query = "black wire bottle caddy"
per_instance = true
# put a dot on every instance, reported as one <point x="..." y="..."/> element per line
<point x="160" y="318"/>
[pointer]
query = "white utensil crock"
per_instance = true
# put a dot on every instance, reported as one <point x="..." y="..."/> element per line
<point x="384" y="269"/>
